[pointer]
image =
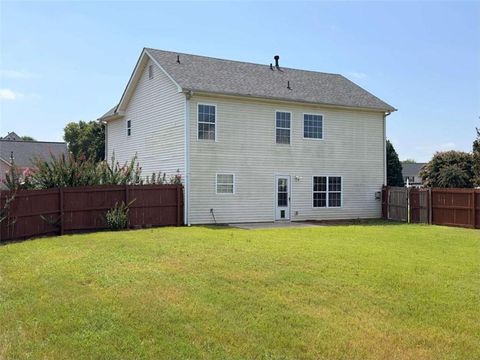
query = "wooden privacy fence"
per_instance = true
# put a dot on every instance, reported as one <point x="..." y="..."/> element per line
<point x="34" y="213"/>
<point x="452" y="207"/>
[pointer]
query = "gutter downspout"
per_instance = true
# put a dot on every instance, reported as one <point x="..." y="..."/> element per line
<point x="385" y="147"/>
<point x="188" y="95"/>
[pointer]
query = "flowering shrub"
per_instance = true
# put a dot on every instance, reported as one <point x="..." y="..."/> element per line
<point x="67" y="171"/>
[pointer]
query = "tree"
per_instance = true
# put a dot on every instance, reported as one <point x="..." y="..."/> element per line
<point x="27" y="138"/>
<point x="394" y="167"/>
<point x="86" y="139"/>
<point x="476" y="159"/>
<point x="449" y="169"/>
<point x="409" y="161"/>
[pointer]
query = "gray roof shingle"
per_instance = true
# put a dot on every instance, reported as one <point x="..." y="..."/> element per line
<point x="206" y="74"/>
<point x="25" y="151"/>
<point x="412" y="169"/>
<point x="219" y="76"/>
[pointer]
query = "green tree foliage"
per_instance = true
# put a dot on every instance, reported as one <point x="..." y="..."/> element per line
<point x="86" y="139"/>
<point x="27" y="138"/>
<point x="67" y="171"/>
<point x="394" y="167"/>
<point x="449" y="169"/>
<point x="476" y="159"/>
<point x="409" y="161"/>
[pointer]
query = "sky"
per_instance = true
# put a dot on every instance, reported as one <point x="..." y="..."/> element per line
<point x="70" y="61"/>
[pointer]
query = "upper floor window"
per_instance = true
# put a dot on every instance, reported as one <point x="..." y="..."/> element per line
<point x="225" y="184"/>
<point x="150" y="71"/>
<point x="327" y="191"/>
<point x="129" y="127"/>
<point x="312" y="126"/>
<point x="206" y="116"/>
<point x="283" y="127"/>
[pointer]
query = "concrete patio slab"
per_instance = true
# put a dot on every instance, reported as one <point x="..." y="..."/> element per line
<point x="273" y="225"/>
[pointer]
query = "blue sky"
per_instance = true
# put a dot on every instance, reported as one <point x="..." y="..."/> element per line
<point x="69" y="61"/>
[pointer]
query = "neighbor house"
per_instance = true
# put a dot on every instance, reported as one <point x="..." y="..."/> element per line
<point x="253" y="142"/>
<point x="23" y="152"/>
<point x="411" y="174"/>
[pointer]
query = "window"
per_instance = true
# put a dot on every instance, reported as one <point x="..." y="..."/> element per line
<point x="312" y="126"/>
<point x="327" y="191"/>
<point x="207" y="115"/>
<point x="129" y="127"/>
<point x="150" y="72"/>
<point x="282" y="127"/>
<point x="225" y="184"/>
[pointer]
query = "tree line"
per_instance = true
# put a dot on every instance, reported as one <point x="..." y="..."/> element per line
<point x="447" y="169"/>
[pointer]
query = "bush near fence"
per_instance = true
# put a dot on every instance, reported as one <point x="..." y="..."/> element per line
<point x="34" y="213"/>
<point x="439" y="206"/>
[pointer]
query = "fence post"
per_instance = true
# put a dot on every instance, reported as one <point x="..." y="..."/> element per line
<point x="430" y="209"/>
<point x="126" y="204"/>
<point x="409" y="212"/>
<point x="474" y="209"/>
<point x="178" y="204"/>
<point x="62" y="225"/>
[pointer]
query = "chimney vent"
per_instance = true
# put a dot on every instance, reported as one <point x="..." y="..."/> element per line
<point x="276" y="57"/>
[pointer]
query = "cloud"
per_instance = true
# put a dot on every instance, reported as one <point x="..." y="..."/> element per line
<point x="7" y="94"/>
<point x="357" y="75"/>
<point x="17" y="74"/>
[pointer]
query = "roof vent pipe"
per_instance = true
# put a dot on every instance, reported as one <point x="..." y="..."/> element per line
<point x="276" y="57"/>
<point x="178" y="59"/>
<point x="288" y="85"/>
<point x="271" y="66"/>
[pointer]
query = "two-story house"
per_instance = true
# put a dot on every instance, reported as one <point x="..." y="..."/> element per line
<point x="253" y="142"/>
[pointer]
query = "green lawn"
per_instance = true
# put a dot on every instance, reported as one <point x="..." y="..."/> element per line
<point x="339" y="292"/>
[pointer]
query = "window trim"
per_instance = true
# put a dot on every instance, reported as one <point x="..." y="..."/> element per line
<point x="216" y="183"/>
<point x="291" y="126"/>
<point x="326" y="204"/>
<point x="216" y="121"/>
<point x="323" y="126"/>
<point x="128" y="129"/>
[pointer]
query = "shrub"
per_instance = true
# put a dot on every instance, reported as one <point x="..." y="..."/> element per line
<point x="449" y="169"/>
<point x="66" y="171"/>
<point x="117" y="217"/>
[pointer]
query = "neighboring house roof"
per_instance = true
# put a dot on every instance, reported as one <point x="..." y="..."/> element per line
<point x="11" y="136"/>
<point x="25" y="151"/>
<point x="412" y="169"/>
<point x="218" y="76"/>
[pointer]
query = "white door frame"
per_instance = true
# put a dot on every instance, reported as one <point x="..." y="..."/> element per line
<point x="282" y="213"/>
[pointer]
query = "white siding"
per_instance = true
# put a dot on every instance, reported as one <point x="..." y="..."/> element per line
<point x="157" y="112"/>
<point x="352" y="148"/>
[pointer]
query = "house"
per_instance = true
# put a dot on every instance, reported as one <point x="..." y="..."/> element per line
<point x="254" y="143"/>
<point x="22" y="152"/>
<point x="411" y="173"/>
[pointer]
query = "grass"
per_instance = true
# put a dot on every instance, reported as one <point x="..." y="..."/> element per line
<point x="338" y="292"/>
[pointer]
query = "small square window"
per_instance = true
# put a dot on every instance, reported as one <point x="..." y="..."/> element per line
<point x="225" y="184"/>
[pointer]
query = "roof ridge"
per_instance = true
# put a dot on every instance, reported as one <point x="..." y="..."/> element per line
<point x="242" y="62"/>
<point x="34" y="141"/>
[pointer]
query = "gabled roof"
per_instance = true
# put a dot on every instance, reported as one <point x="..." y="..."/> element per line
<point x="211" y="75"/>
<point x="411" y="169"/>
<point x="11" y="136"/>
<point x="25" y="151"/>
